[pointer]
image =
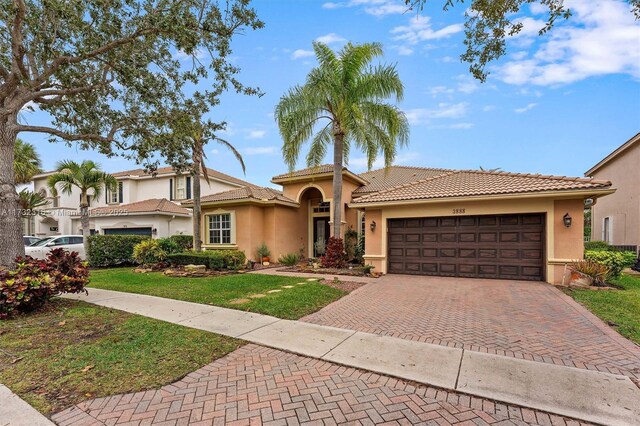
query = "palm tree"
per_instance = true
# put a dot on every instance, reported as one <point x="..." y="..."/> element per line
<point x="29" y="202"/>
<point x="26" y="162"/>
<point x="347" y="95"/>
<point x="199" y="140"/>
<point x="89" y="179"/>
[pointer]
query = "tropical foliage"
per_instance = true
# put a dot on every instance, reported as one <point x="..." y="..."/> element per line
<point x="112" y="250"/>
<point x="88" y="179"/>
<point x="343" y="105"/>
<point x="33" y="282"/>
<point x="615" y="261"/>
<point x="26" y="162"/>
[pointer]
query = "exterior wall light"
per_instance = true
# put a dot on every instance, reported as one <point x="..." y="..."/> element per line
<point x="373" y="226"/>
<point x="566" y="219"/>
<point x="154" y="231"/>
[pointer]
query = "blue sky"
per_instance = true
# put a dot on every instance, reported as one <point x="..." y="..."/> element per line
<point x="555" y="104"/>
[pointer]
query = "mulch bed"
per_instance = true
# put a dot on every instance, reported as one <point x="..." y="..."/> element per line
<point x="347" y="286"/>
<point x="356" y="272"/>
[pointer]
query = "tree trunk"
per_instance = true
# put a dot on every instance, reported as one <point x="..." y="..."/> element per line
<point x="11" y="244"/>
<point x="84" y="222"/>
<point x="338" y="147"/>
<point x="197" y="209"/>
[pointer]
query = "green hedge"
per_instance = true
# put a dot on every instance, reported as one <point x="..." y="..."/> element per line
<point x="598" y="246"/>
<point x="214" y="259"/>
<point x="112" y="250"/>
<point x="185" y="242"/>
<point x="616" y="261"/>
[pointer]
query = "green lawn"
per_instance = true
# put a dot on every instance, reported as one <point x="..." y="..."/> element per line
<point x="620" y="308"/>
<point x="289" y="303"/>
<point x="73" y="351"/>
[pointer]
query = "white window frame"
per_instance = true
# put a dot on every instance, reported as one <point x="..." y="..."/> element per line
<point x="180" y="185"/>
<point x="113" y="197"/>
<point x="607" y="228"/>
<point x="210" y="231"/>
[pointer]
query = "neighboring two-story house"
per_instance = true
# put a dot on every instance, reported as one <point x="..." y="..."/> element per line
<point x="143" y="204"/>
<point x="616" y="218"/>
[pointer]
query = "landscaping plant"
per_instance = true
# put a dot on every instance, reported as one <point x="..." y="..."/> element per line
<point x="263" y="252"/>
<point x="615" y="261"/>
<point x="213" y="259"/>
<point x="290" y="259"/>
<point x="112" y="250"/>
<point x="184" y="242"/>
<point x="149" y="252"/>
<point x="334" y="256"/>
<point x="592" y="269"/>
<point x="33" y="282"/>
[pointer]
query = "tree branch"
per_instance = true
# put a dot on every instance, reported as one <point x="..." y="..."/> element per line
<point x="110" y="138"/>
<point x="17" y="40"/>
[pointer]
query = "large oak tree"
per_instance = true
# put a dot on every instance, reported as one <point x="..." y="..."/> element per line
<point x="108" y="74"/>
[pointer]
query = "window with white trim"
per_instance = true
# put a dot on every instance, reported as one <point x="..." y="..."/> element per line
<point x="180" y="192"/>
<point x="606" y="229"/>
<point x="114" y="197"/>
<point x="219" y="226"/>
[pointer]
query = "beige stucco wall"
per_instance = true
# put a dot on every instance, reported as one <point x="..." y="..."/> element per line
<point x="277" y="226"/>
<point x="623" y="206"/>
<point x="562" y="244"/>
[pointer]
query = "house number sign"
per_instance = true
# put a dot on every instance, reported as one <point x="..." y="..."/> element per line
<point x="458" y="211"/>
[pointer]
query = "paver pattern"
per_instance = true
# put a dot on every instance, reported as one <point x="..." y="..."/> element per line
<point x="258" y="385"/>
<point x="527" y="320"/>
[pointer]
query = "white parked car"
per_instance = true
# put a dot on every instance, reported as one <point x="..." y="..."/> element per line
<point x="41" y="249"/>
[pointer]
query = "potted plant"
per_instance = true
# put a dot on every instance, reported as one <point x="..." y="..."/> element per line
<point x="263" y="254"/>
<point x="585" y="273"/>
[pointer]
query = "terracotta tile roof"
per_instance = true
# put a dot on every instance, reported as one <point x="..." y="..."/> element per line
<point x="382" y="179"/>
<point x="325" y="168"/>
<point x="248" y="193"/>
<point x="469" y="183"/>
<point x="153" y="205"/>
<point x="163" y="170"/>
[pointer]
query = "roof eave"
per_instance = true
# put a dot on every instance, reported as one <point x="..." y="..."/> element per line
<point x="581" y="193"/>
<point x="245" y="201"/>
<point x="311" y="177"/>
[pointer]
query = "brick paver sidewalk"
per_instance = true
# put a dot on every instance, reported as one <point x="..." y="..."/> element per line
<point x="528" y="320"/>
<point x="257" y="385"/>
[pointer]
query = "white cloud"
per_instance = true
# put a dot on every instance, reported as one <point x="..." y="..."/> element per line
<point x="301" y="53"/>
<point x="439" y="90"/>
<point x="260" y="150"/>
<point x="372" y="7"/>
<point x="600" y="38"/>
<point x="256" y="134"/>
<point x="403" y="50"/>
<point x="330" y="38"/>
<point x="419" y="29"/>
<point x="488" y="108"/>
<point x="526" y="108"/>
<point x="461" y="126"/>
<point x="467" y="84"/>
<point x="215" y="151"/>
<point x="537" y="8"/>
<point x="417" y="116"/>
<point x="181" y="55"/>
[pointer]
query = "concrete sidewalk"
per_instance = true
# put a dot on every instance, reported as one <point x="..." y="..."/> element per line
<point x="328" y="277"/>
<point x="15" y="412"/>
<point x="586" y="395"/>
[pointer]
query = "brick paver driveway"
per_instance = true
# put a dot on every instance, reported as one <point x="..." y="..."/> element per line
<point x="257" y="385"/>
<point x="527" y="320"/>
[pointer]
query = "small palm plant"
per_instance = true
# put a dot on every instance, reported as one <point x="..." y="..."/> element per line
<point x="26" y="161"/>
<point x="89" y="179"/>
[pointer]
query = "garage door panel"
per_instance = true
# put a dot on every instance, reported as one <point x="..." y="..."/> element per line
<point x="500" y="246"/>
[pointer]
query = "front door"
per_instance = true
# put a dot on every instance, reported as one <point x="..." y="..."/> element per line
<point x="320" y="235"/>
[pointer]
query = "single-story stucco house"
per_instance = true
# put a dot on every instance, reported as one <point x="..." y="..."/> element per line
<point x="463" y="223"/>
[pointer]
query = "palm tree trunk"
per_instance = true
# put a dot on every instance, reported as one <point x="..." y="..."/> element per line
<point x="338" y="147"/>
<point x="84" y="222"/>
<point x="11" y="244"/>
<point x="195" y="181"/>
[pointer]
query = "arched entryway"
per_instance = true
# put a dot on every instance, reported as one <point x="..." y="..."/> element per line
<point x="318" y="211"/>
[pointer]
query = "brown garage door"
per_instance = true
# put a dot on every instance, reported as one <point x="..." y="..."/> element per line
<point x="498" y="246"/>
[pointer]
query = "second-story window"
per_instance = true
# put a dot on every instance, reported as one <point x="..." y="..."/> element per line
<point x="181" y="188"/>
<point x="115" y="197"/>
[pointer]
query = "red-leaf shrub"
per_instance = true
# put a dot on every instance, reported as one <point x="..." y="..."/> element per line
<point x="334" y="256"/>
<point x="33" y="282"/>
